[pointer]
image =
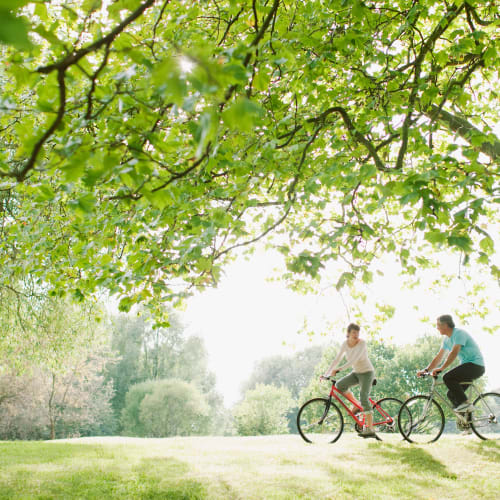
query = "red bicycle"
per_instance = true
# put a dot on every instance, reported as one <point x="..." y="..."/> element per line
<point x="320" y="420"/>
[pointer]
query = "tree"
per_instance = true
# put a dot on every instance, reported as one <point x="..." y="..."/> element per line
<point x="147" y="353"/>
<point x="175" y="408"/>
<point x="78" y="398"/>
<point x="45" y="403"/>
<point x="130" y="416"/>
<point x="124" y="371"/>
<point x="160" y="408"/>
<point x="293" y="372"/>
<point x="39" y="329"/>
<point x="142" y="142"/>
<point x="23" y="410"/>
<point x="263" y="411"/>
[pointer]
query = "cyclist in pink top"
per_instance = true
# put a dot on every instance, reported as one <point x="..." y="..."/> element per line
<point x="363" y="373"/>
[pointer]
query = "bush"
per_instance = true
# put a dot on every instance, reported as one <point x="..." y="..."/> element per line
<point x="263" y="411"/>
<point x="131" y="422"/>
<point x="165" y="408"/>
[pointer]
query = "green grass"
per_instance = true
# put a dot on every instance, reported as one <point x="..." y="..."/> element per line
<point x="273" y="467"/>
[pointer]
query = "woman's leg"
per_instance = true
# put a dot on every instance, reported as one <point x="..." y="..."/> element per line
<point x="345" y="383"/>
<point x="366" y="381"/>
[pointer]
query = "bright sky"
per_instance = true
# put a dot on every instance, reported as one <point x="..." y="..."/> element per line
<point x="248" y="318"/>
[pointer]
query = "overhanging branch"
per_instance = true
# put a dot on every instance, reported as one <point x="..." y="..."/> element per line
<point x="465" y="130"/>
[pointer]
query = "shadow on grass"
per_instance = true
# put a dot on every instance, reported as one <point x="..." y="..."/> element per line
<point x="418" y="460"/>
<point x="489" y="449"/>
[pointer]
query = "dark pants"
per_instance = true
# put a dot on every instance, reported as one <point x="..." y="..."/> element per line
<point x="463" y="373"/>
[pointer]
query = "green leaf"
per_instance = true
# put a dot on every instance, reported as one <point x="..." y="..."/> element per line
<point x="462" y="242"/>
<point x="49" y="35"/>
<point x="44" y="193"/>
<point x="13" y="31"/>
<point x="262" y="79"/>
<point x="487" y="245"/>
<point x="14" y="4"/>
<point x="242" y="115"/>
<point x="168" y="81"/>
<point x="435" y="237"/>
<point x="158" y="199"/>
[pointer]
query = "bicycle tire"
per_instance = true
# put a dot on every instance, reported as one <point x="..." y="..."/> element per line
<point x="316" y="427"/>
<point x="485" y="419"/>
<point x="391" y="406"/>
<point x="416" y="429"/>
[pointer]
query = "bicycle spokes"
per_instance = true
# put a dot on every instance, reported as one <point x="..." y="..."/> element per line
<point x="486" y="416"/>
<point x="319" y="421"/>
<point x="421" y="420"/>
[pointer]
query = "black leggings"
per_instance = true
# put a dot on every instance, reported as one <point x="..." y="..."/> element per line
<point x="462" y="373"/>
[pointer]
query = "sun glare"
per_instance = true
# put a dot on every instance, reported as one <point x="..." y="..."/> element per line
<point x="186" y="64"/>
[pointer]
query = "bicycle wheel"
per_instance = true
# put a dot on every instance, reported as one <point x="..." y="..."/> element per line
<point x="421" y="420"/>
<point x="320" y="421"/>
<point x="385" y="415"/>
<point x="486" y="416"/>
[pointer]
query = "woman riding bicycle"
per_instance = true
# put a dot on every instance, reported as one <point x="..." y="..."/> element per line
<point x="354" y="349"/>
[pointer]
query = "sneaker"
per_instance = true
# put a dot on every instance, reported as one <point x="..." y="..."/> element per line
<point x="366" y="433"/>
<point x="463" y="407"/>
<point x="461" y="426"/>
<point x="466" y="432"/>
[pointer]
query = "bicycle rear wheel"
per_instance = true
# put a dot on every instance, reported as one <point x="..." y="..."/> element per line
<point x="385" y="415"/>
<point x="320" y="421"/>
<point x="421" y="420"/>
<point x="485" y="419"/>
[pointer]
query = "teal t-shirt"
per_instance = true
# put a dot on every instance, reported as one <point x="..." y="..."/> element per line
<point x="469" y="353"/>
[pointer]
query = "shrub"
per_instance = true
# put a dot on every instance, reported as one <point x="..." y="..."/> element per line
<point x="263" y="411"/>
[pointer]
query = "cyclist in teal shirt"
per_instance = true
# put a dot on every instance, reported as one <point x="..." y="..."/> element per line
<point x="458" y="343"/>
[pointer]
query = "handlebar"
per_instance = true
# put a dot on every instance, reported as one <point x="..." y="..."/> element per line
<point x="428" y="374"/>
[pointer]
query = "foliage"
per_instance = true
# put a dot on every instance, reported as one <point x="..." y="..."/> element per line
<point x="23" y="408"/>
<point x="52" y="358"/>
<point x="142" y="142"/>
<point x="263" y="411"/>
<point x="147" y="353"/>
<point x="40" y="329"/>
<point x="45" y="404"/>
<point x="130" y="416"/>
<point x="293" y="372"/>
<point x="175" y="408"/>
<point x="161" y="408"/>
<point x="123" y="372"/>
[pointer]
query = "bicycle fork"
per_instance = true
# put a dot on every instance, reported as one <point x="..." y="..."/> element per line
<point x="423" y="414"/>
<point x="327" y="409"/>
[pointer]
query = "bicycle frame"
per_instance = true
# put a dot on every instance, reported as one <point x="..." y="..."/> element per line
<point x="435" y="394"/>
<point x="338" y="395"/>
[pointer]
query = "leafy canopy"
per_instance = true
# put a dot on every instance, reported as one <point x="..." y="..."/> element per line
<point x="142" y="142"/>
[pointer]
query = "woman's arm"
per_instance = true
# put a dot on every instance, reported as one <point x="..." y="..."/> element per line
<point x="336" y="361"/>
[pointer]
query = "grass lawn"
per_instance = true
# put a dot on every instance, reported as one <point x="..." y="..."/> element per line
<point x="270" y="467"/>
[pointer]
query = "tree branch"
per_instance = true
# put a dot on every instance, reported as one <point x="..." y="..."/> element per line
<point x="466" y="130"/>
<point x="74" y="57"/>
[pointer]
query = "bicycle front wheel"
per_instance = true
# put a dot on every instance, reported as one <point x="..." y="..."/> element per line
<point x="320" y="421"/>
<point x="485" y="421"/>
<point x="421" y="420"/>
<point x="385" y="415"/>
